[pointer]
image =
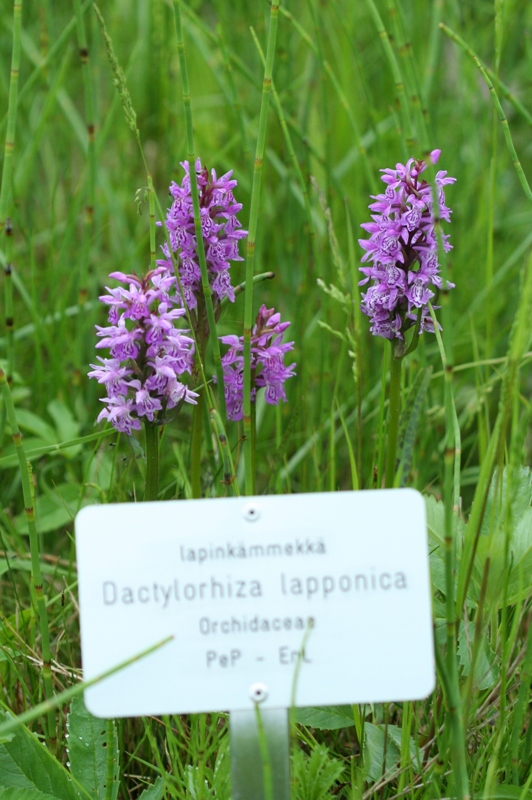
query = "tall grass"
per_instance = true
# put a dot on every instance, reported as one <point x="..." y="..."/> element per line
<point x="355" y="87"/>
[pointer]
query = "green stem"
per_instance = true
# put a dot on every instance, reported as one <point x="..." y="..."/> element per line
<point x="7" y="172"/>
<point x="84" y="321"/>
<point x="253" y="442"/>
<point x="195" y="448"/>
<point x="393" y="418"/>
<point x="151" y="201"/>
<point x="6" y="199"/>
<point x="382" y="405"/>
<point x="452" y="696"/>
<point x="451" y="499"/>
<point x="251" y="240"/>
<point x="229" y="476"/>
<point x="151" y="433"/>
<point x="240" y="287"/>
<point x="91" y="157"/>
<point x="27" y="490"/>
<point x="111" y="756"/>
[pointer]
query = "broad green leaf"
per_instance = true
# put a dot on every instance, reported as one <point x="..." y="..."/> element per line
<point x="25" y="794"/>
<point x="89" y="748"/>
<point x="54" y="510"/>
<point x="507" y="517"/>
<point x="521" y="542"/>
<point x="28" y="421"/>
<point x="436" y="529"/>
<point x="9" y="455"/>
<point x="503" y="792"/>
<point x="374" y="751"/>
<point x="520" y="497"/>
<point x="410" y="420"/>
<point x="436" y="522"/>
<point x="486" y="668"/>
<point x="155" y="791"/>
<point x="25" y="763"/>
<point x="437" y="570"/>
<point x="328" y="718"/>
<point x="24" y="565"/>
<point x="101" y="471"/>
<point x="67" y="426"/>
<point x="510" y="575"/>
<point x="440" y="630"/>
<point x="396" y="734"/>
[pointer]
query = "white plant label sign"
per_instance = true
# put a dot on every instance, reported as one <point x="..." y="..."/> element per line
<point x="323" y="598"/>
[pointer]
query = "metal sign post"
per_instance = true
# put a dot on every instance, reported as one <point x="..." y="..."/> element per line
<point x="260" y="751"/>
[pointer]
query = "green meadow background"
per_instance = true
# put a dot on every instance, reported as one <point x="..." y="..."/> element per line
<point x="357" y="87"/>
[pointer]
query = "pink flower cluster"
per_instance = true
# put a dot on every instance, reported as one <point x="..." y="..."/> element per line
<point x="403" y="249"/>
<point x="267" y="362"/>
<point x="148" y="352"/>
<point x="221" y="232"/>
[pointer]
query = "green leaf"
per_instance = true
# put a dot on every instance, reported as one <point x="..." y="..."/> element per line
<point x="436" y="529"/>
<point x="66" y="425"/>
<point x="328" y="718"/>
<point x="24" y="565"/>
<point x="486" y="669"/>
<point x="410" y="420"/>
<point x="25" y="794"/>
<point x="396" y="734"/>
<point x="503" y="792"/>
<point x="55" y="509"/>
<point x="216" y="782"/>
<point x="508" y="514"/>
<point x="437" y="571"/>
<point x="155" y="791"/>
<point x="28" y="421"/>
<point x="27" y="764"/>
<point x="89" y="747"/>
<point x="315" y="775"/>
<point x="374" y="751"/>
<point x="436" y="521"/>
<point x="520" y="498"/>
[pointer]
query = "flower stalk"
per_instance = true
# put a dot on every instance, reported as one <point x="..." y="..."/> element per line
<point x="91" y="177"/>
<point x="394" y="411"/>
<point x="6" y="199"/>
<point x="250" y="252"/>
<point x="151" y="434"/>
